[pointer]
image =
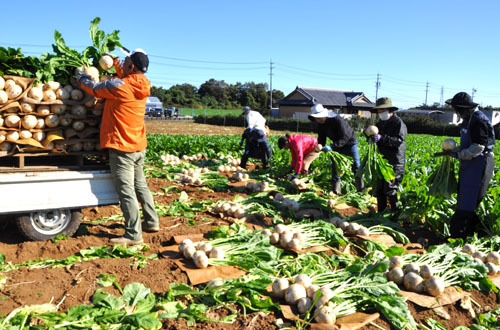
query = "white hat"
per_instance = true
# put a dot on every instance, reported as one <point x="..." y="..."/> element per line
<point x="318" y="111"/>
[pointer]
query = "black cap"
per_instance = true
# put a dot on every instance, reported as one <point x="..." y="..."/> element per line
<point x="140" y="60"/>
<point x="461" y="100"/>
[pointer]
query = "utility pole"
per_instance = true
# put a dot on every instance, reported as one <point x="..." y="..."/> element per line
<point x="426" y="91"/>
<point x="441" y="98"/>
<point x="271" y="84"/>
<point x="473" y="91"/>
<point x="377" y="85"/>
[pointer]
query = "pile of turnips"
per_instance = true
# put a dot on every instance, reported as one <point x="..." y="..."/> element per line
<point x="286" y="202"/>
<point x="230" y="209"/>
<point x="490" y="260"/>
<point x="227" y="169"/>
<point x="415" y="277"/>
<point x="257" y="186"/>
<point x="170" y="160"/>
<point x="287" y="238"/>
<point x="231" y="160"/>
<point x="240" y="176"/>
<point x="302" y="293"/>
<point x="299" y="183"/>
<point x="200" y="252"/>
<point x="349" y="228"/>
<point x="187" y="158"/>
<point x="192" y="176"/>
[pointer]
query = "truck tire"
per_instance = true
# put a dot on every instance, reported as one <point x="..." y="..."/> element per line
<point x="46" y="224"/>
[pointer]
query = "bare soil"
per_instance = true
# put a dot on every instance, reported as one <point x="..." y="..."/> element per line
<point x="77" y="283"/>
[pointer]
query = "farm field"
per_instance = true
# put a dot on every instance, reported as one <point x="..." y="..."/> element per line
<point x="71" y="272"/>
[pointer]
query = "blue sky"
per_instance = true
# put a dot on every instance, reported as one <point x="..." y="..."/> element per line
<point x="335" y="44"/>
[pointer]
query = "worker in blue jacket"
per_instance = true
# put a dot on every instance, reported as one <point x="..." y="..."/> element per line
<point x="475" y="153"/>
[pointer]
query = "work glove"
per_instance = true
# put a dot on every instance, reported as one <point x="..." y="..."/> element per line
<point x="376" y="138"/>
<point x="241" y="142"/>
<point x="293" y="176"/>
<point x="81" y="75"/>
<point x="326" y="148"/>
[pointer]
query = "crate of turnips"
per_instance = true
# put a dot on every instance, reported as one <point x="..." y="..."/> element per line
<point x="47" y="117"/>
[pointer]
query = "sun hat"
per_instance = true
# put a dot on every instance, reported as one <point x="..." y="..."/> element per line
<point x="384" y="103"/>
<point x="461" y="100"/>
<point x="318" y="111"/>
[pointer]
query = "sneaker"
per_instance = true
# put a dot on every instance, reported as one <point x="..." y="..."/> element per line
<point x="124" y="240"/>
<point x="150" y="229"/>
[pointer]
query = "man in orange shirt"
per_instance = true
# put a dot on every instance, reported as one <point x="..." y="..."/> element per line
<point x="123" y="133"/>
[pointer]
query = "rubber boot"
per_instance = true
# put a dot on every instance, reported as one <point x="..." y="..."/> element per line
<point x="359" y="183"/>
<point x="460" y="224"/>
<point x="381" y="203"/>
<point x="336" y="187"/>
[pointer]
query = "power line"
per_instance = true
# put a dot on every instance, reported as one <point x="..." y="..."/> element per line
<point x="206" y="68"/>
<point x="324" y="73"/>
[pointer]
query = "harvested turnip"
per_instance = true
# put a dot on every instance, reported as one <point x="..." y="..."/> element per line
<point x="294" y="293"/>
<point x="363" y="231"/>
<point x="189" y="251"/>
<point x="325" y="295"/>
<point x="412" y="267"/>
<point x="295" y="244"/>
<point x="27" y="107"/>
<point x="274" y="238"/>
<point x="493" y="257"/>
<point x="396" y="275"/>
<point x="492" y="268"/>
<point x="267" y="232"/>
<point x="217" y="253"/>
<point x="311" y="291"/>
<point x="303" y="280"/>
<point x="285" y="239"/>
<point x="325" y="314"/>
<point x="206" y="247"/>
<point x="279" y="287"/>
<point x="479" y="255"/>
<point x="434" y="286"/>
<point x="413" y="282"/>
<point x="280" y="228"/>
<point x="449" y="145"/>
<point x="371" y="130"/>
<point x="215" y="282"/>
<point x="426" y="271"/>
<point x="468" y="248"/>
<point x="304" y="304"/>
<point x="106" y="62"/>
<point x="200" y="259"/>
<point x="186" y="242"/>
<point x="278" y="197"/>
<point x="396" y="261"/>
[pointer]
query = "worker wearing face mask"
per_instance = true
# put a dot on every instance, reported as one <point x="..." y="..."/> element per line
<point x="391" y="144"/>
<point x="475" y="153"/>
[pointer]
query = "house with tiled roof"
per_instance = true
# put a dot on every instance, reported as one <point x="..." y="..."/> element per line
<point x="298" y="103"/>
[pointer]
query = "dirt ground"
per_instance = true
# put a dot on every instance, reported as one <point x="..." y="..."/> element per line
<point x="75" y="284"/>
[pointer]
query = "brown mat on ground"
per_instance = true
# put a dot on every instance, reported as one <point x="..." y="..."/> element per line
<point x="415" y="248"/>
<point x="197" y="275"/>
<point x="387" y="240"/>
<point x="449" y="296"/>
<point x="349" y="322"/>
<point x="193" y="237"/>
<point x="495" y="279"/>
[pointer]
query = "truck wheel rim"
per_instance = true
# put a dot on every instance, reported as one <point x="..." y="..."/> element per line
<point x="50" y="222"/>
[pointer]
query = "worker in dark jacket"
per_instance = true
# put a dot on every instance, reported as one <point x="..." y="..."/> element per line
<point x="391" y="144"/>
<point x="343" y="140"/>
<point x="475" y="153"/>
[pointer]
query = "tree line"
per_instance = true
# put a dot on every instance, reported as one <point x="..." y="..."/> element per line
<point x="217" y="94"/>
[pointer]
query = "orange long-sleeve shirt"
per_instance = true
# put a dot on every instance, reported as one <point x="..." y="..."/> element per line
<point x="122" y="126"/>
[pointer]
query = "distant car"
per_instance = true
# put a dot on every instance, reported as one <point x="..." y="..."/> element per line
<point x="171" y="112"/>
<point x="154" y="112"/>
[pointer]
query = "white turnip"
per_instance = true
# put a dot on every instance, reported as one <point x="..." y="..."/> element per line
<point x="189" y="251"/>
<point x="493" y="257"/>
<point x="449" y="145"/>
<point x="294" y="293"/>
<point x="426" y="271"/>
<point x="325" y="295"/>
<point x="200" y="259"/>
<point x="29" y="121"/>
<point x="14" y="92"/>
<point x="412" y="267"/>
<point x="3" y="97"/>
<point x="371" y="130"/>
<point x="106" y="62"/>
<point x="396" y="261"/>
<point x="52" y="121"/>
<point x="396" y="275"/>
<point x="434" y="286"/>
<point x="468" y="248"/>
<point x="304" y="304"/>
<point x="479" y="255"/>
<point x="279" y="287"/>
<point x="217" y="253"/>
<point x="27" y="107"/>
<point x="413" y="282"/>
<point x="76" y="95"/>
<point x="274" y="238"/>
<point x="12" y="121"/>
<point x="325" y="314"/>
<point x="49" y="96"/>
<point x="492" y="268"/>
<point x="303" y="280"/>
<point x="12" y="136"/>
<point x="311" y="291"/>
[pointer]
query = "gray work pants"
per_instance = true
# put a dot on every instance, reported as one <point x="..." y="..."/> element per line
<point x="127" y="170"/>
